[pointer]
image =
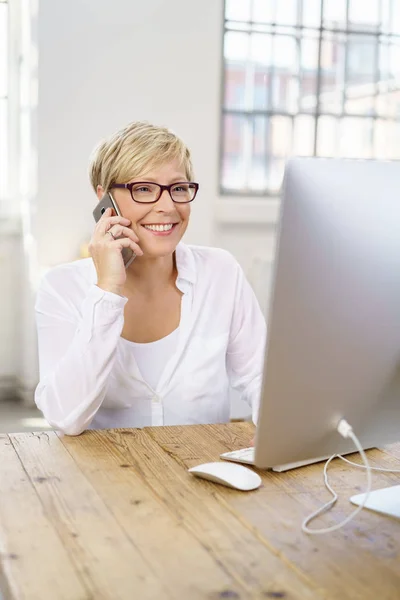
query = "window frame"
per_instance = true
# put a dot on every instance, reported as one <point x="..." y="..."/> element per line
<point x="376" y="34"/>
<point x="10" y="202"/>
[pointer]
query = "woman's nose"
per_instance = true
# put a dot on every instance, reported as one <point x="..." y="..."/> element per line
<point x="165" y="202"/>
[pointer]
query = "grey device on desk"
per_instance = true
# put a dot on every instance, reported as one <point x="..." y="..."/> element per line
<point x="333" y="341"/>
<point x="107" y="201"/>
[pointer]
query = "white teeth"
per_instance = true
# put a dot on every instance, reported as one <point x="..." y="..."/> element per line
<point x="159" y="227"/>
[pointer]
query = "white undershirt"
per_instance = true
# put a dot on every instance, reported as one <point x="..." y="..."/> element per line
<point x="152" y="357"/>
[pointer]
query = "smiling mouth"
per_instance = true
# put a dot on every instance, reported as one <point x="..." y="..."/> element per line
<point x="161" y="228"/>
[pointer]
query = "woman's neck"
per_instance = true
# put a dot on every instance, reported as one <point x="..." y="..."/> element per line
<point x="150" y="275"/>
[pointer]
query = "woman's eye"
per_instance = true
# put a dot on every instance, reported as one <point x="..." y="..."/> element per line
<point x="142" y="189"/>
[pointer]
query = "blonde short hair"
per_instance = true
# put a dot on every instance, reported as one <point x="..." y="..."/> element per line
<point x="135" y="150"/>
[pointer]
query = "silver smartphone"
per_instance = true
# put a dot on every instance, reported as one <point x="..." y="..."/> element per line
<point x="107" y="201"/>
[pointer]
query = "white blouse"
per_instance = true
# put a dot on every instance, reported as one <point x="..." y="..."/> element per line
<point x="89" y="377"/>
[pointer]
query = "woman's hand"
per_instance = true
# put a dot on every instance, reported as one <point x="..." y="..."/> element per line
<point x="110" y="236"/>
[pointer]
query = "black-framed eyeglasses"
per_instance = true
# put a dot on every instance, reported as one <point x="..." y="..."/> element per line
<point x="148" y="192"/>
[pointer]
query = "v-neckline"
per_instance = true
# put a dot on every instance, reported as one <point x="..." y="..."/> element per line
<point x="170" y="365"/>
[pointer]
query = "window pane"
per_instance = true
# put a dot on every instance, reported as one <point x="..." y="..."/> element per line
<point x="3" y="48"/>
<point x="311" y="13"/>
<point x="261" y="49"/>
<point x="388" y="102"/>
<point x="328" y="137"/>
<point x="285" y="80"/>
<point x="395" y="20"/>
<point x="236" y="152"/>
<point x="286" y="12"/>
<point x="238" y="10"/>
<point x="334" y="13"/>
<point x="391" y="16"/>
<point x="394" y="61"/>
<point x="384" y="60"/>
<point x="259" y="78"/>
<point x="387" y="140"/>
<point x="3" y="149"/>
<point x="261" y="89"/>
<point x="235" y="85"/>
<point x="362" y="12"/>
<point x="281" y="136"/>
<point x="308" y="73"/>
<point x="236" y="46"/>
<point x="258" y="180"/>
<point x="388" y="95"/>
<point x="283" y="12"/>
<point x="360" y="100"/>
<point x="362" y="69"/>
<point x="361" y="58"/>
<point x="381" y="147"/>
<point x="236" y="54"/>
<point x="276" y="171"/>
<point x="281" y="145"/>
<point x="303" y="136"/>
<point x="356" y="138"/>
<point x="247" y="77"/>
<point x="386" y="15"/>
<point x="264" y="12"/>
<point x="332" y="73"/>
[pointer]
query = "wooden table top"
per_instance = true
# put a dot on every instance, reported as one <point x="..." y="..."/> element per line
<point x="115" y="515"/>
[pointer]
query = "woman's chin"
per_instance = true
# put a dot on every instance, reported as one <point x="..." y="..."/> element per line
<point x="154" y="251"/>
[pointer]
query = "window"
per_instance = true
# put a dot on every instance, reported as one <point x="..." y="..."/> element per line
<point x="18" y="101"/>
<point x="310" y="78"/>
<point x="4" y="137"/>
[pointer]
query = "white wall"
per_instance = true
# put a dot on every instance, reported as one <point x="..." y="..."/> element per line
<point x="10" y="306"/>
<point x="103" y="64"/>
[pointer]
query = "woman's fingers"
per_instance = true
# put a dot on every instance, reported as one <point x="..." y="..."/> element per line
<point x="108" y="221"/>
<point x="118" y="231"/>
<point x="126" y="242"/>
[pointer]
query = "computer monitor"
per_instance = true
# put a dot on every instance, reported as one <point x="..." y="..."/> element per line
<point x="333" y="338"/>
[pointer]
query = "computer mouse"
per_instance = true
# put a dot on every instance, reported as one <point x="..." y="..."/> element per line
<point x="230" y="474"/>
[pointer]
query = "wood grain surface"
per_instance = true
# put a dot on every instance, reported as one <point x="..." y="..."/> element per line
<point x="115" y="515"/>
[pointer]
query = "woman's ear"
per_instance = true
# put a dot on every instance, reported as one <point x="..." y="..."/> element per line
<point x="100" y="191"/>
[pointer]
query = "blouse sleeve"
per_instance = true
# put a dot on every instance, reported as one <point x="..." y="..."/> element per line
<point x="245" y="356"/>
<point x="76" y="353"/>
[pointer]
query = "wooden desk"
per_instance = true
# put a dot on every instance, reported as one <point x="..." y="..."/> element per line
<point x="115" y="514"/>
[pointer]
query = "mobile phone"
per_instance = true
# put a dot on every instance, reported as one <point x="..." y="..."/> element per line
<point x="107" y="201"/>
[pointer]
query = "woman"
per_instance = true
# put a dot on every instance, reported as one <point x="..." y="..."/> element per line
<point x="158" y="343"/>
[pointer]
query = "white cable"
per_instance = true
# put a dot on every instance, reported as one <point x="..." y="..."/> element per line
<point x="346" y="431"/>
<point x="353" y="464"/>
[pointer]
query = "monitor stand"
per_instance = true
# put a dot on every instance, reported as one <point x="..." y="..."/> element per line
<point x="296" y="465"/>
<point x="385" y="501"/>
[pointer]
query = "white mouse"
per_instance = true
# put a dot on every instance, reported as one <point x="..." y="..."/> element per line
<point x="230" y="474"/>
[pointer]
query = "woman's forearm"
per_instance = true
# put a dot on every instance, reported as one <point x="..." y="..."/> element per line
<point x="76" y="360"/>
